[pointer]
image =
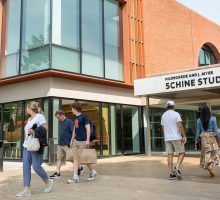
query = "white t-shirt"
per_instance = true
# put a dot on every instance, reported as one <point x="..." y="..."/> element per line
<point x="169" y="122"/>
<point x="38" y="119"/>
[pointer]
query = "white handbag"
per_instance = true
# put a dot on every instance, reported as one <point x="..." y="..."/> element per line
<point x="33" y="143"/>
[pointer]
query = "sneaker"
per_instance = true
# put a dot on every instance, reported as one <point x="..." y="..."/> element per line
<point x="177" y="173"/>
<point x="49" y="186"/>
<point x="74" y="179"/>
<point x="55" y="176"/>
<point x="92" y="176"/>
<point x="172" y="177"/>
<point x="81" y="170"/>
<point x="24" y="194"/>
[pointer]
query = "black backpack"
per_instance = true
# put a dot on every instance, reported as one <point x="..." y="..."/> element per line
<point x="92" y="130"/>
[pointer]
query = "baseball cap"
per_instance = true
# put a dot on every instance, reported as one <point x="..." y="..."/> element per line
<point x="170" y="103"/>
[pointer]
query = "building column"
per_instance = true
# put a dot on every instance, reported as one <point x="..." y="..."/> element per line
<point x="146" y="119"/>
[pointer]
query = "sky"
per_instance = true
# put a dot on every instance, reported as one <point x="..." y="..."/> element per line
<point x="207" y="8"/>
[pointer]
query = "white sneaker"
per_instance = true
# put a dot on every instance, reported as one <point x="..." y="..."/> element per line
<point x="92" y="175"/>
<point x="74" y="179"/>
<point x="24" y="194"/>
<point x="49" y="186"/>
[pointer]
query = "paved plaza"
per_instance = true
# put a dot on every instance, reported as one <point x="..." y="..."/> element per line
<point x="131" y="177"/>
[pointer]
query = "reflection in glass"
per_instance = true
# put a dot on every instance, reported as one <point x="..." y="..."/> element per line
<point x="10" y="58"/>
<point x="66" y="23"/>
<point x="36" y="23"/>
<point x="92" y="65"/>
<point x="46" y="114"/>
<point x="92" y="45"/>
<point x="113" y="40"/>
<point x="10" y="65"/>
<point x="65" y="59"/>
<point x="105" y="129"/>
<point x="12" y="130"/>
<point x="131" y="130"/>
<point x="56" y="106"/>
<point x="35" y="60"/>
<point x="116" y="130"/>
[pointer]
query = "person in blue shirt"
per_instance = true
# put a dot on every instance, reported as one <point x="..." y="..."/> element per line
<point x="207" y="133"/>
<point x="66" y="127"/>
<point x="80" y="140"/>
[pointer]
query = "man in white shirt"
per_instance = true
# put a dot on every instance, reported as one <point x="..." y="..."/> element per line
<point x="175" y="138"/>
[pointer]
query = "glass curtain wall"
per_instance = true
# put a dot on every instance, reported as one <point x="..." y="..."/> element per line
<point x="78" y="36"/>
<point x="66" y="35"/>
<point x="116" y="130"/>
<point x="12" y="130"/>
<point x="189" y="115"/>
<point x="131" y="130"/>
<point x="113" y="40"/>
<point x="105" y="130"/>
<point x="92" y="38"/>
<point x="92" y="110"/>
<point x="10" y="56"/>
<point x="35" y="35"/>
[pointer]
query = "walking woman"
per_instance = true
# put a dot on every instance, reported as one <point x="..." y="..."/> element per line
<point x="207" y="134"/>
<point x="34" y="158"/>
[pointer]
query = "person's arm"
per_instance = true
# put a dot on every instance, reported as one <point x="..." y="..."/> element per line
<point x="45" y="125"/>
<point x="182" y="131"/>
<point x="181" y="128"/>
<point x="88" y="132"/>
<point x="73" y="137"/>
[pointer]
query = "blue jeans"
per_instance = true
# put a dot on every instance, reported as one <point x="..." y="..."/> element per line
<point x="34" y="159"/>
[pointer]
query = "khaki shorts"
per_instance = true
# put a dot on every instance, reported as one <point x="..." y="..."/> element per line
<point x="61" y="151"/>
<point x="77" y="146"/>
<point x="175" y="146"/>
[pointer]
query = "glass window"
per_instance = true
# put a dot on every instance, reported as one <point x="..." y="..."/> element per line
<point x="113" y="40"/>
<point x="202" y="57"/>
<point x="65" y="59"/>
<point x="46" y="114"/>
<point x="131" y="130"/>
<point x="35" y="60"/>
<point x="206" y="56"/>
<point x="10" y="59"/>
<point x="12" y="130"/>
<point x="92" y="65"/>
<point x="13" y="26"/>
<point x="66" y="23"/>
<point x="91" y="109"/>
<point x="105" y="130"/>
<point x="36" y="23"/>
<point x="92" y="40"/>
<point x="116" y="130"/>
<point x="10" y="65"/>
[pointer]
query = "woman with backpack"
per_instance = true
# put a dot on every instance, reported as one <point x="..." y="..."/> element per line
<point x="208" y="135"/>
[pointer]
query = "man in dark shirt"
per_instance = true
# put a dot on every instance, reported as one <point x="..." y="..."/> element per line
<point x="66" y="127"/>
<point x="80" y="140"/>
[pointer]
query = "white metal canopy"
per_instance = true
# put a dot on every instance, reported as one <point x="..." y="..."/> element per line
<point x="199" y="83"/>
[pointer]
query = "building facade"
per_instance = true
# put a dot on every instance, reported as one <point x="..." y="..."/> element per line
<point x="58" y="52"/>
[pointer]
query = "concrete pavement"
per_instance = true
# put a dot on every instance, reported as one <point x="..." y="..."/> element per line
<point x="131" y="177"/>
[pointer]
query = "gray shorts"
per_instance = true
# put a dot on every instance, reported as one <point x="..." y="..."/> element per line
<point x="175" y="146"/>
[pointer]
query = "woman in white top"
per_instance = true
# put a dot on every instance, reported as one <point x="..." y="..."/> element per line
<point x="33" y="159"/>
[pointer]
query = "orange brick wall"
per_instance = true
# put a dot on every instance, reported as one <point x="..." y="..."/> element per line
<point x="173" y="36"/>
